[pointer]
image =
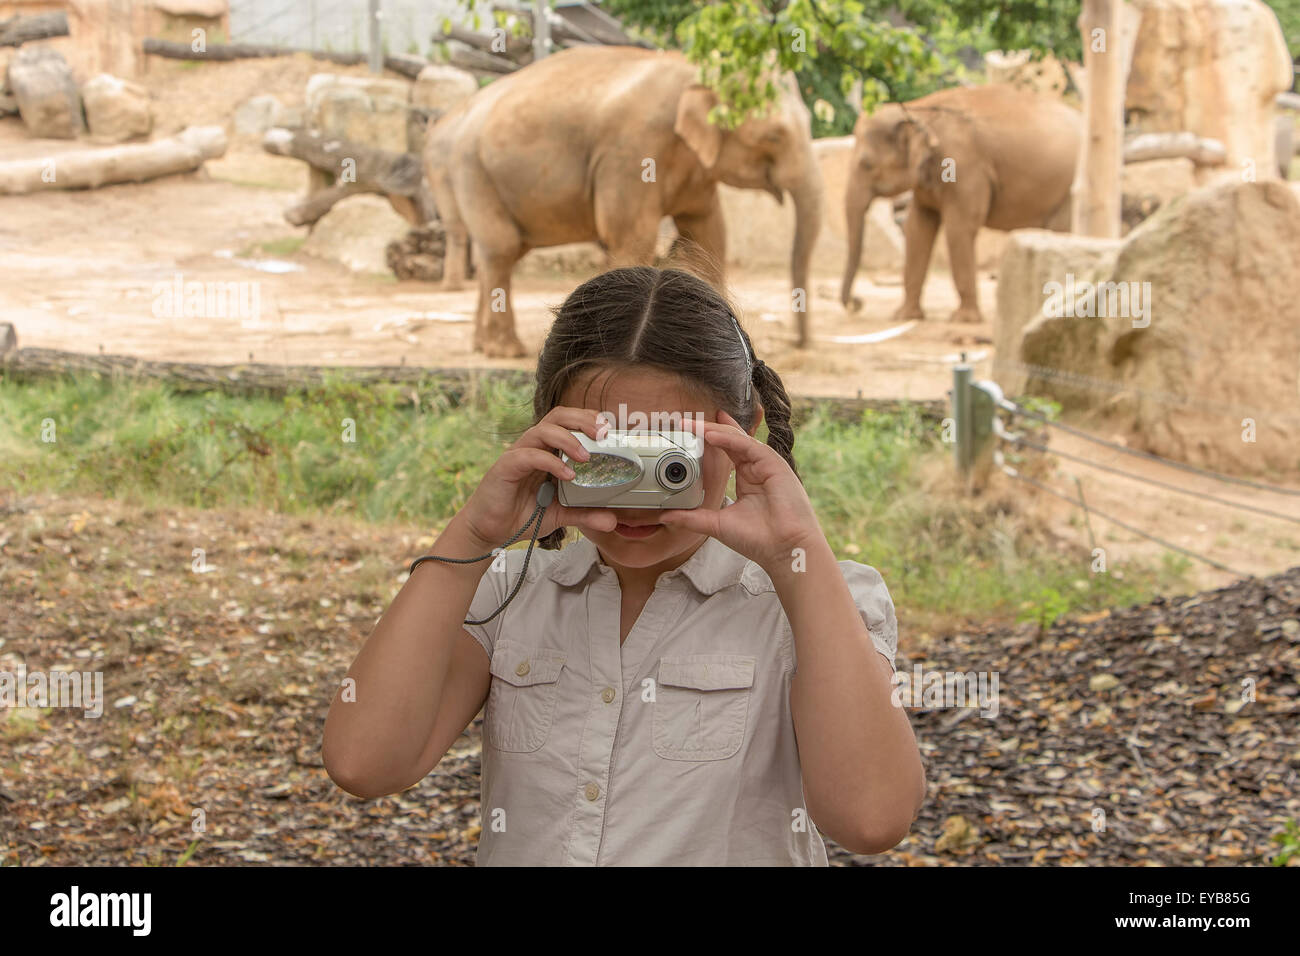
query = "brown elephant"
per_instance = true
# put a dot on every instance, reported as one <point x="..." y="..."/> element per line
<point x="600" y="143"/>
<point x="992" y="156"/>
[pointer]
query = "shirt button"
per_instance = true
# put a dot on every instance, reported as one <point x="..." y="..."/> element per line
<point x="522" y="669"/>
<point x="593" y="792"/>
<point x="607" y="695"/>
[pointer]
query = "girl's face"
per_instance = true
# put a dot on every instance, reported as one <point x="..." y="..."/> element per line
<point x="640" y="541"/>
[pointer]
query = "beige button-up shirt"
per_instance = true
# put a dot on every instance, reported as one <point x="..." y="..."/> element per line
<point x="675" y="748"/>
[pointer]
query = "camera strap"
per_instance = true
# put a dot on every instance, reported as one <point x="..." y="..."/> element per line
<point x="545" y="495"/>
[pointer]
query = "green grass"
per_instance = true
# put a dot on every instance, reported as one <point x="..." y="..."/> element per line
<point x="284" y="246"/>
<point x="882" y="486"/>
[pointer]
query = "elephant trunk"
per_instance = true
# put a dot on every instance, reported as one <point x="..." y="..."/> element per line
<point x="807" y="195"/>
<point x="855" y="208"/>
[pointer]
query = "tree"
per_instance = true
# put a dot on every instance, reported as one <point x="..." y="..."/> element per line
<point x="847" y="55"/>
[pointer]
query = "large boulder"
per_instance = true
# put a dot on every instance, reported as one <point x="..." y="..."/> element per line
<point x="1149" y="185"/>
<point x="440" y="87"/>
<point x="116" y="110"/>
<point x="367" y="110"/>
<point x="356" y="233"/>
<point x="46" y="93"/>
<point x="1188" y="333"/>
<point x="1212" y="67"/>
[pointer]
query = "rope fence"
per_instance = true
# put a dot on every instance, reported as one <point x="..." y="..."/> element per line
<point x="981" y="436"/>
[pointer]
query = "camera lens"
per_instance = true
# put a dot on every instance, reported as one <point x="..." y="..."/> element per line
<point x="674" y="472"/>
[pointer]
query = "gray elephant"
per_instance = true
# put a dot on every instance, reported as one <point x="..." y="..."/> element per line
<point x="986" y="156"/>
<point x="600" y="143"/>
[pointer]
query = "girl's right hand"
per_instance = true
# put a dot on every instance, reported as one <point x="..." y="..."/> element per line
<point x="507" y="495"/>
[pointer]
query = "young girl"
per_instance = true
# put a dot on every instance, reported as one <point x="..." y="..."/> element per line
<point x="676" y="687"/>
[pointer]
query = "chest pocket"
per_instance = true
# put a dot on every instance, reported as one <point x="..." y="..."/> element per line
<point x="521" y="700"/>
<point x="702" y="705"/>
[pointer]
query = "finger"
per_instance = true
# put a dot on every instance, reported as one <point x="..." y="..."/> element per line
<point x="517" y="463"/>
<point x="586" y="420"/>
<point x="740" y="448"/>
<point x="698" y="520"/>
<point x="547" y="435"/>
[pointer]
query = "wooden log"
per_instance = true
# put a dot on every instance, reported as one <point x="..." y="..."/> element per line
<point x="19" y="29"/>
<point x="405" y="64"/>
<point x="133" y="163"/>
<point x="36" y="364"/>
<point x="383" y="170"/>
<point x="467" y="58"/>
<point x="1096" y="205"/>
<point x="1202" y="151"/>
<point x="517" y="49"/>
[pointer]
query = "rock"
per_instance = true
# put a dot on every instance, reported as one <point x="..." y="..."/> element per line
<point x="255" y="116"/>
<point x="208" y="141"/>
<point x="1034" y="257"/>
<point x="46" y="93"/>
<point x="367" y="110"/>
<point x="116" y="110"/>
<point x="356" y="233"/>
<point x="8" y="105"/>
<point x="1202" y="364"/>
<point x="208" y="9"/>
<point x="1149" y="185"/>
<point x="441" y="87"/>
<point x="1018" y="68"/>
<point x="1212" y="67"/>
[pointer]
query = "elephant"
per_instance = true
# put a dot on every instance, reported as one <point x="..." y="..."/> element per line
<point x="600" y="143"/>
<point x="993" y="156"/>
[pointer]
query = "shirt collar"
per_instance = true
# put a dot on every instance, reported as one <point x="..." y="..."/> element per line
<point x="711" y="568"/>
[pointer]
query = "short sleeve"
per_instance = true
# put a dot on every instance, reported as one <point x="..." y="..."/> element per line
<point x="871" y="597"/>
<point x="874" y="605"/>
<point x="492" y="590"/>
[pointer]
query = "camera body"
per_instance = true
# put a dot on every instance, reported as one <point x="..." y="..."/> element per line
<point x="636" y="469"/>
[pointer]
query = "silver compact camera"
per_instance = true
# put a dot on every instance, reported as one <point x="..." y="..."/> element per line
<point x="636" y="469"/>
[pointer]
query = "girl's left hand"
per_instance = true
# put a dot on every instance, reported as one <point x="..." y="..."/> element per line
<point x="771" y="515"/>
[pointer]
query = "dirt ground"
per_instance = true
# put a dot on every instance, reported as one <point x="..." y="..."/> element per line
<point x="81" y="270"/>
<point x="216" y="686"/>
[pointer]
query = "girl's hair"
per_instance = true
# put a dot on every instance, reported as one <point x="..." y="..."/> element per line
<point x="670" y="320"/>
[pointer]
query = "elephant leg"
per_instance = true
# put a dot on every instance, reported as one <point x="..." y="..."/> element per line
<point x="706" y="236"/>
<point x="628" y="231"/>
<point x="919" y="230"/>
<point x="494" y="322"/>
<point x="961" y="256"/>
<point x="455" y="232"/>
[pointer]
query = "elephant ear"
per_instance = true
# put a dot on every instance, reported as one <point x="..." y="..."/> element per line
<point x="924" y="154"/>
<point x="693" y="126"/>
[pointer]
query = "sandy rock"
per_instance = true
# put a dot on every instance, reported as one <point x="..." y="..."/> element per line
<point x="1148" y="186"/>
<point x="116" y="110"/>
<point x="367" y="110"/>
<point x="441" y="87"/>
<point x="1034" y="257"/>
<point x="255" y="116"/>
<point x="356" y="233"/>
<point x="1203" y="362"/>
<point x="193" y="8"/>
<point x="46" y="93"/>
<point x="1018" y="68"/>
<point x="1212" y="67"/>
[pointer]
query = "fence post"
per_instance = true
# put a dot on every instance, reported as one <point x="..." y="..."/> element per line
<point x="376" y="38"/>
<point x="961" y="410"/>
<point x="985" y="398"/>
<point x="541" y="30"/>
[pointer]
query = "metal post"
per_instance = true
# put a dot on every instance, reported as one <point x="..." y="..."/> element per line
<point x="541" y="30"/>
<point x="961" y="416"/>
<point x="376" y="38"/>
